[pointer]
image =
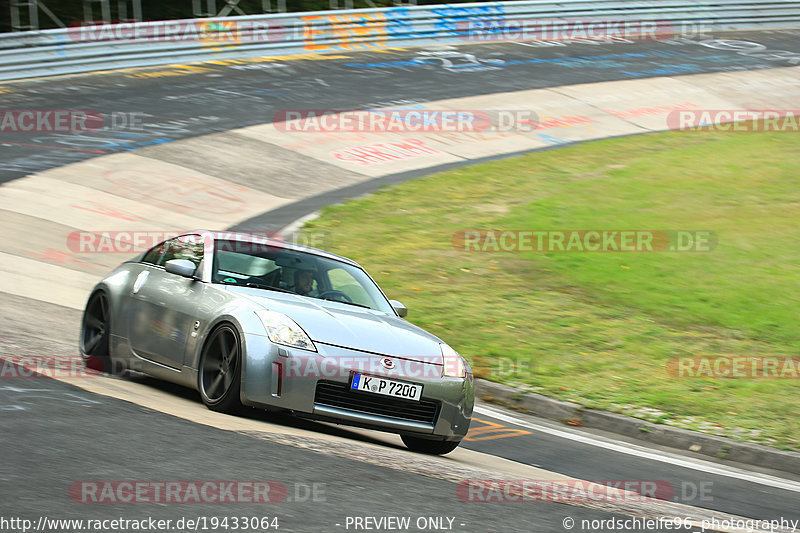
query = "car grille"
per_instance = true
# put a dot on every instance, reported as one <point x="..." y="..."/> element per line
<point x="337" y="395"/>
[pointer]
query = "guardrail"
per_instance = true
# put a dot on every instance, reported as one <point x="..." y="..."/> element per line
<point x="129" y="45"/>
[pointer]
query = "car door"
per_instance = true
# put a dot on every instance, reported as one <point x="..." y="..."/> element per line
<point x="163" y="306"/>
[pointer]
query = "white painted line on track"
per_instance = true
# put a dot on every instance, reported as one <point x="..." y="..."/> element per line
<point x="646" y="453"/>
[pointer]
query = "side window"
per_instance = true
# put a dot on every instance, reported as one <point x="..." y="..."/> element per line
<point x="172" y="250"/>
<point x="342" y="280"/>
<point x="154" y="254"/>
<point x="191" y="248"/>
<point x="185" y="247"/>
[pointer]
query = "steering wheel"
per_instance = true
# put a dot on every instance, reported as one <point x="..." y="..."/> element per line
<point x="339" y="294"/>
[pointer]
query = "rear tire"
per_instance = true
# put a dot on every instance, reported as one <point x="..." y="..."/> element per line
<point x="219" y="377"/>
<point x="431" y="447"/>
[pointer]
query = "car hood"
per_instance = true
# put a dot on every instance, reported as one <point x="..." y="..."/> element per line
<point x="349" y="326"/>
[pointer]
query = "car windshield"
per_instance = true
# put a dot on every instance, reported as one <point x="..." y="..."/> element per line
<point x="274" y="268"/>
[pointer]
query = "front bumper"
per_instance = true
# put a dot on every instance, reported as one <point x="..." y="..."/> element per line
<point x="316" y="385"/>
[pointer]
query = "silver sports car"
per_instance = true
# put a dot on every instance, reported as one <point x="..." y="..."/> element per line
<point x="259" y="322"/>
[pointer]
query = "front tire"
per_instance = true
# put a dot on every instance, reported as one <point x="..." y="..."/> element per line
<point x="431" y="447"/>
<point x="220" y="373"/>
<point x="95" y="344"/>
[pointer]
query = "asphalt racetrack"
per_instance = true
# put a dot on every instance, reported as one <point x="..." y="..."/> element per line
<point x="178" y="102"/>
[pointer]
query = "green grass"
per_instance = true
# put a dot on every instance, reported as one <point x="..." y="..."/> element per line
<point x="599" y="328"/>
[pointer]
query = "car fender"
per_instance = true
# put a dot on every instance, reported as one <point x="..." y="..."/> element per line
<point x="114" y="286"/>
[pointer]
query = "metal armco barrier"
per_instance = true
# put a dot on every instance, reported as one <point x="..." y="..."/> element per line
<point x="129" y="45"/>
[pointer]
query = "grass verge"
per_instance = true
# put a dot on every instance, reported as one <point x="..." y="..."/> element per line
<point x="599" y="328"/>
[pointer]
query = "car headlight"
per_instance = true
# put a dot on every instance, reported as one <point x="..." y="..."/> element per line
<point x="283" y="330"/>
<point x="454" y="366"/>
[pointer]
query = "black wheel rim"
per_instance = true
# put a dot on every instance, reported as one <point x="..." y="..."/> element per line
<point x="95" y="326"/>
<point x="220" y="364"/>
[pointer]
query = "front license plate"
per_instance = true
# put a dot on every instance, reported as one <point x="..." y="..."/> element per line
<point x="387" y="387"/>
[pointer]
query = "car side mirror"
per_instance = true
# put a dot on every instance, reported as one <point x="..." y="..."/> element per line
<point x="399" y="308"/>
<point x="181" y="267"/>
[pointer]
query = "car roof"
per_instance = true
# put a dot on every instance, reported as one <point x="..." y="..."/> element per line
<point x="264" y="238"/>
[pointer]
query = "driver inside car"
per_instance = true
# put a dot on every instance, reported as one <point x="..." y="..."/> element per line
<point x="304" y="282"/>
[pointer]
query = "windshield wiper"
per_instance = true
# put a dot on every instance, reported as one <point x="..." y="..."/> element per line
<point x="267" y="287"/>
<point x="346" y="302"/>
